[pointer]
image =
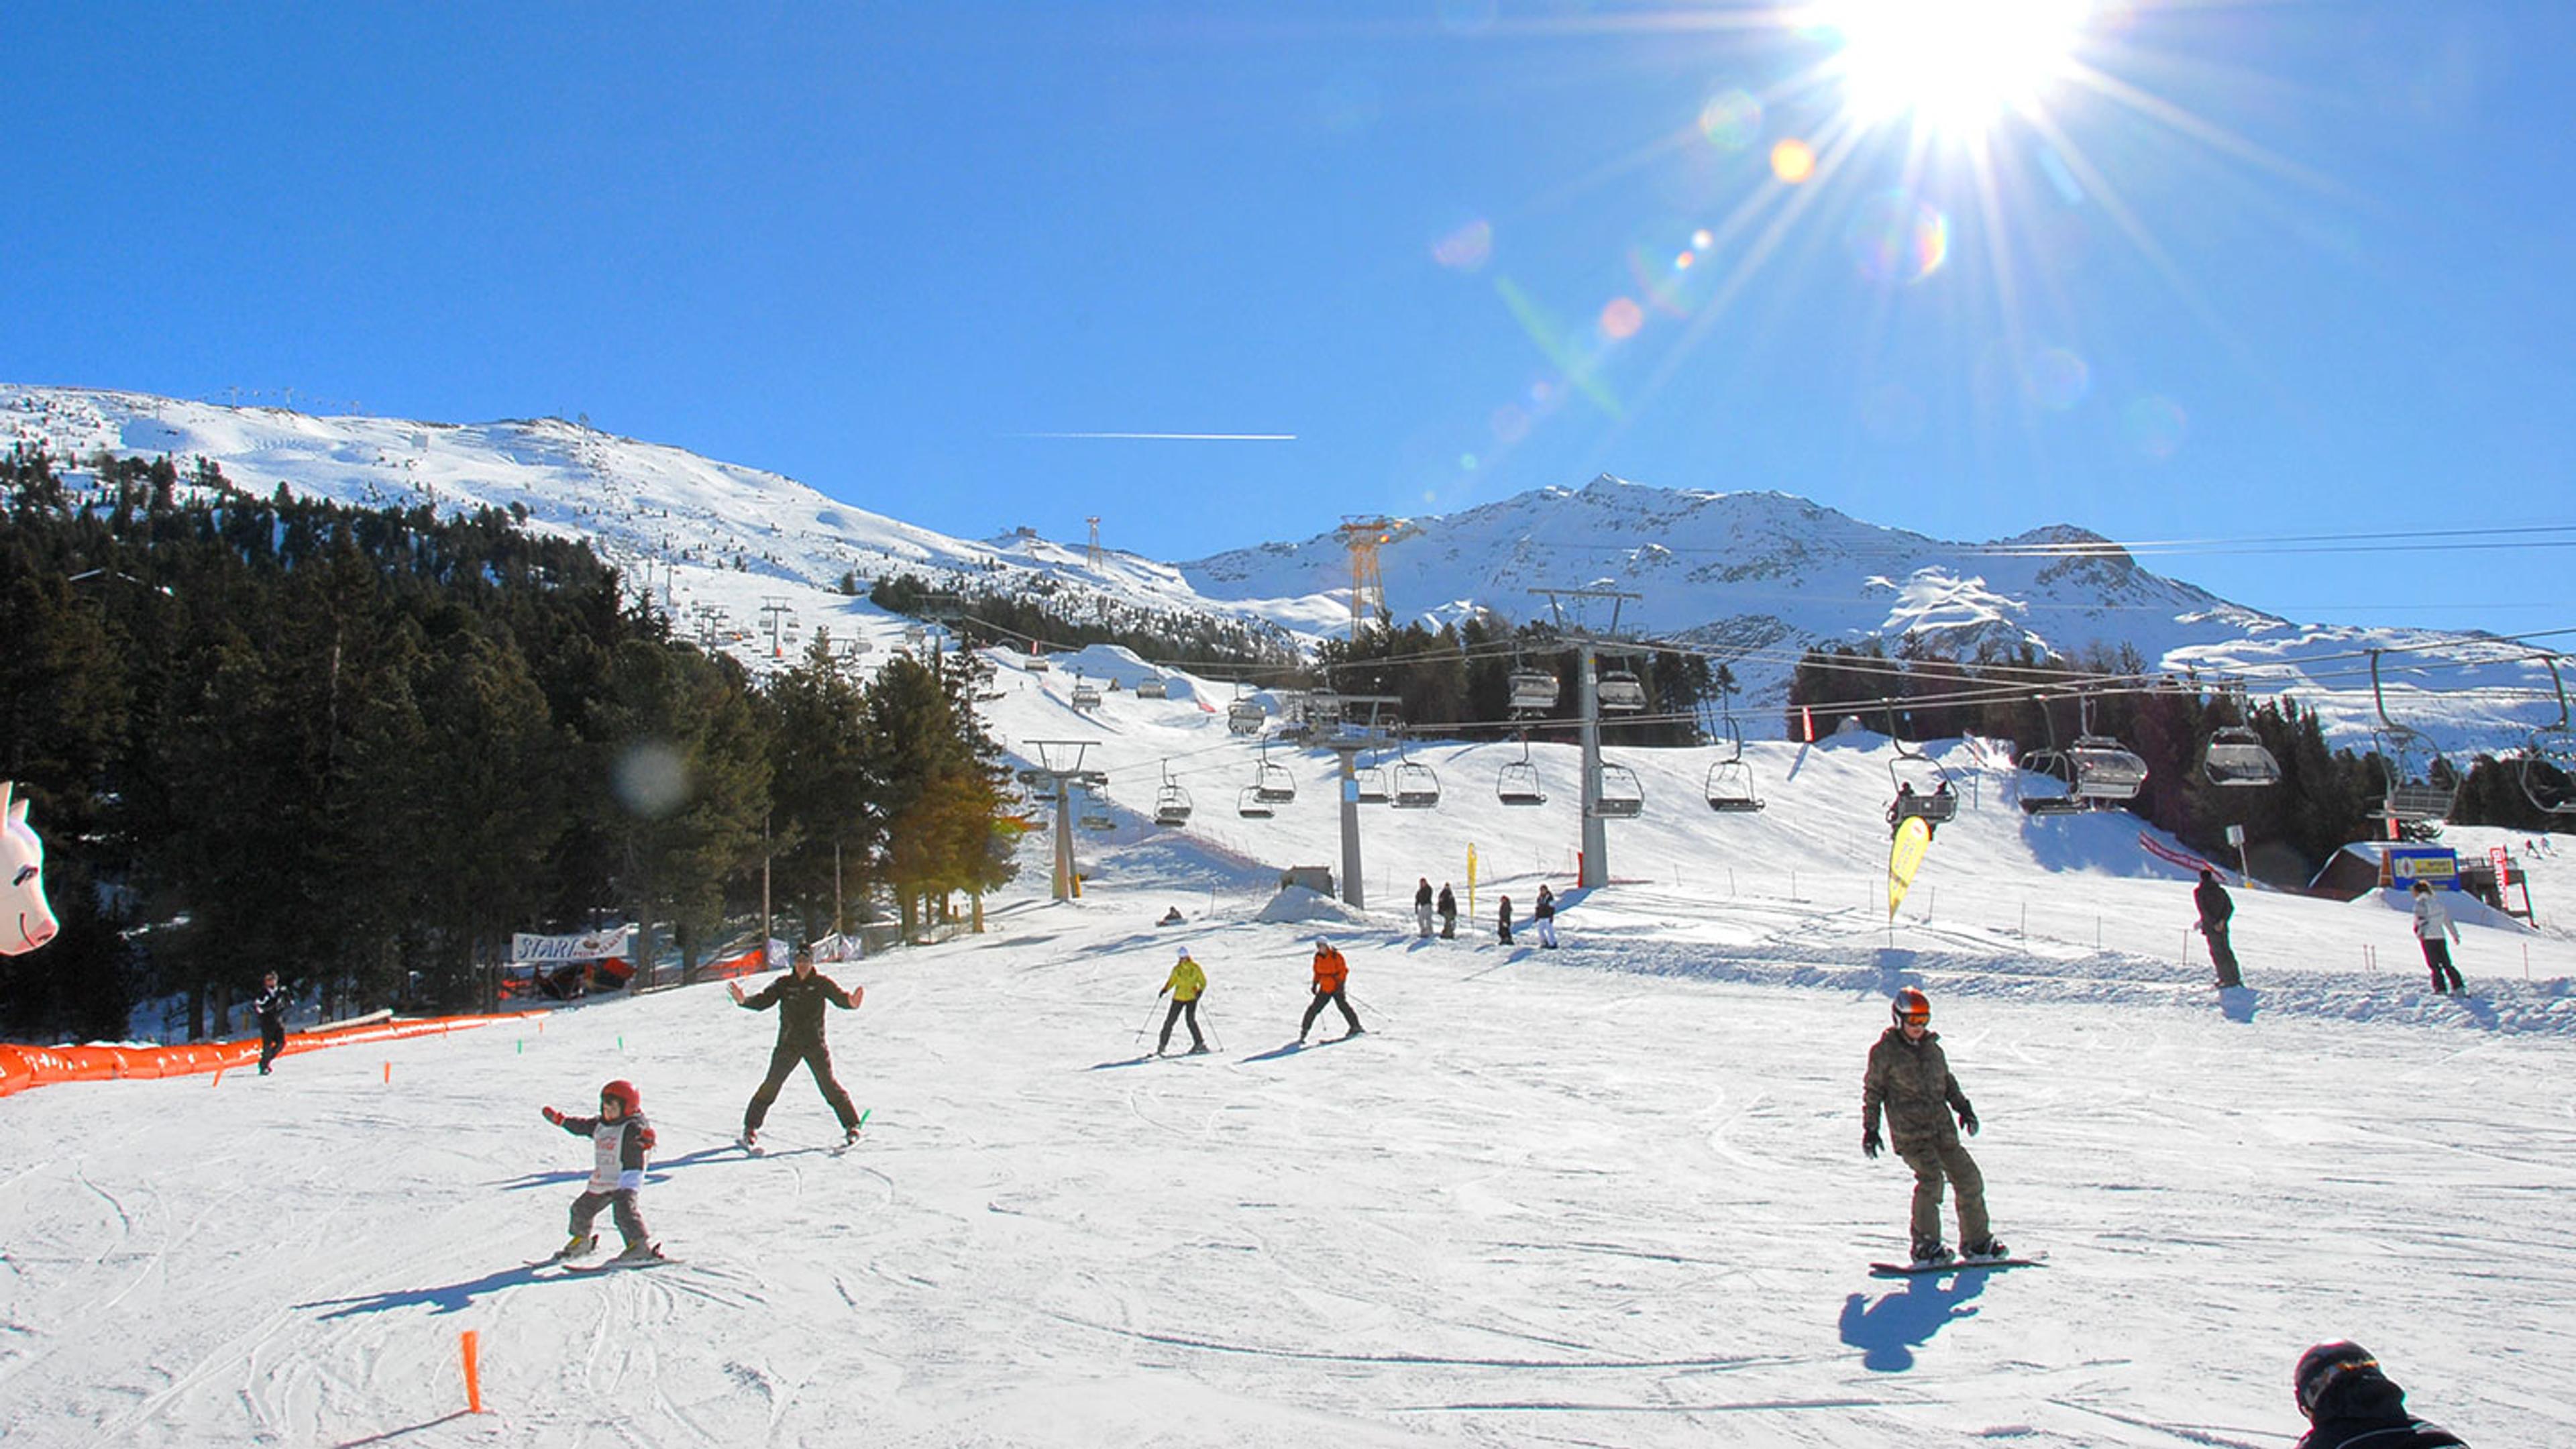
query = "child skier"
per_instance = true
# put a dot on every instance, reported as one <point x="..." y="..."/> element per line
<point x="1910" y="1077"/>
<point x="620" y="1140"/>
<point x="1332" y="973"/>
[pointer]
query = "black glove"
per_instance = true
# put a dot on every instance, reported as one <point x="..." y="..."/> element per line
<point x="1968" y="1120"/>
<point x="1869" y="1142"/>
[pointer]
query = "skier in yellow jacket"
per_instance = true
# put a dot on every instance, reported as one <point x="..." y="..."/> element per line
<point x="1185" y="985"/>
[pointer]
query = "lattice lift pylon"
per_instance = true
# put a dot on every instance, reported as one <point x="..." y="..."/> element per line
<point x="1364" y="535"/>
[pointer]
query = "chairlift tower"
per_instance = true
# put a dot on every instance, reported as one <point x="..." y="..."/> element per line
<point x="773" y="606"/>
<point x="1059" y="769"/>
<point x="1587" y="698"/>
<point x="1364" y="535"/>
<point x="1348" y="744"/>
<point x="1091" y="555"/>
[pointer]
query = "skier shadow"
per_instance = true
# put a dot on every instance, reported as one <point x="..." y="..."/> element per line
<point x="2236" y="1003"/>
<point x="1887" y="1332"/>
<point x="658" y="1172"/>
<point x="447" y="1298"/>
<point x="1290" y="1050"/>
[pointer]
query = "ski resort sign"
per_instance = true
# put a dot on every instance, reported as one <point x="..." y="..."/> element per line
<point x="588" y="946"/>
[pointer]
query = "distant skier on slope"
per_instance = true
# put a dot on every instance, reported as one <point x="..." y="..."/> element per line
<point x="1186" y="984"/>
<point x="1332" y="974"/>
<point x="1448" y="913"/>
<point x="2350" y="1404"/>
<point x="270" y="1007"/>
<point x="1543" y="915"/>
<point x="1503" y="922"/>
<point x="1422" y="907"/>
<point x="1909" y="1076"/>
<point x="800" y="996"/>
<point x="2431" y="920"/>
<point x="621" y="1140"/>
<point x="2210" y="898"/>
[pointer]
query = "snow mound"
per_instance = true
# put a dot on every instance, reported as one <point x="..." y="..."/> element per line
<point x="1297" y="903"/>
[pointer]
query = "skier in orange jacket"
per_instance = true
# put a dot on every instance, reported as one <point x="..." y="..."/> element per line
<point x="1331" y="971"/>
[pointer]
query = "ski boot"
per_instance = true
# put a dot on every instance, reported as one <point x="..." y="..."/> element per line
<point x="1985" y="1252"/>
<point x="578" y="1248"/>
<point x="1197" y="1051"/>
<point x="639" y="1252"/>
<point x="749" y="1141"/>
<point x="850" y="1138"/>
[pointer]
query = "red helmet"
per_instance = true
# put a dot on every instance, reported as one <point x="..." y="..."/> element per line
<point x="623" y="1093"/>
<point x="1910" y="1005"/>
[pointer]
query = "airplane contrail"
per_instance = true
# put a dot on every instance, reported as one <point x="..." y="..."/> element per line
<point x="1177" y="437"/>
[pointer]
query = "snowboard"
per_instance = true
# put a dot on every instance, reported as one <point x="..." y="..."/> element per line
<point x="612" y="1265"/>
<point x="1957" y="1265"/>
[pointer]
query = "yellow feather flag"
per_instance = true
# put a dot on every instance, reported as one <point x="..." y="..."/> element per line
<point x="1904" y="857"/>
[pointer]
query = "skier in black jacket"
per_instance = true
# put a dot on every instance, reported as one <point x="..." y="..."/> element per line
<point x="1448" y="914"/>
<point x="270" y="1005"/>
<point x="2210" y="898"/>
<point x="799" y="996"/>
<point x="2350" y="1404"/>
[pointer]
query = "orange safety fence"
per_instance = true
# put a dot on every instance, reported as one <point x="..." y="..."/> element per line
<point x="22" y="1067"/>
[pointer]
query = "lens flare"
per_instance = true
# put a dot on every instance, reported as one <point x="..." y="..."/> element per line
<point x="1703" y="239"/>
<point x="1793" y="161"/>
<point x="2057" y="378"/>
<point x="2156" y="426"/>
<point x="1895" y="237"/>
<point x="1682" y="263"/>
<point x="1511" y="423"/>
<point x="650" y="779"/>
<point x="1621" y="318"/>
<point x="1732" y="120"/>
<point x="1467" y="248"/>
<point x="1954" y="66"/>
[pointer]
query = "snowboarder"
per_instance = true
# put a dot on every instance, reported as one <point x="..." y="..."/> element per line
<point x="1422" y="907"/>
<point x="620" y="1141"/>
<point x="1171" y="917"/>
<point x="1448" y="913"/>
<point x="2215" y="908"/>
<point x="1544" y="915"/>
<point x="1187" y="984"/>
<point x="270" y="1006"/>
<point x="799" y="996"/>
<point x="2431" y="920"/>
<point x="2349" y="1402"/>
<point x="1331" y="973"/>
<point x="1910" y="1077"/>
<point x="1503" y="922"/>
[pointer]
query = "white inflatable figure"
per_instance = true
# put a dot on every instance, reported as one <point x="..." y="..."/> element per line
<point x="22" y="861"/>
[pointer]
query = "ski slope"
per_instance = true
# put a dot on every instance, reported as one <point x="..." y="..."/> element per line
<point x="1607" y="1195"/>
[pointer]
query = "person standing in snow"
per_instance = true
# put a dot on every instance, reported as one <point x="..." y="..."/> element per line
<point x="2215" y="908"/>
<point x="1186" y="985"/>
<point x="1909" y="1078"/>
<point x="2350" y="1404"/>
<point x="1422" y="907"/>
<point x="1503" y="922"/>
<point x="1448" y="914"/>
<point x="1332" y="974"/>
<point x="2431" y="921"/>
<point x="800" y="997"/>
<point x="1543" y="915"/>
<point x="270" y="1007"/>
<point x="620" y="1142"/>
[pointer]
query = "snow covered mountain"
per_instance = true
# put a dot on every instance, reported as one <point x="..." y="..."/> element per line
<point x="751" y="560"/>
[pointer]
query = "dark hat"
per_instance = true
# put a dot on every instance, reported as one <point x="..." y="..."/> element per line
<point x="2328" y="1365"/>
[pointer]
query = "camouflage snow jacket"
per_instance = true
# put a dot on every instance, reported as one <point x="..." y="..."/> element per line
<point x="1912" y="1081"/>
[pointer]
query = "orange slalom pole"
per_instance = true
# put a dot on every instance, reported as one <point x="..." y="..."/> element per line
<point x="469" y="1343"/>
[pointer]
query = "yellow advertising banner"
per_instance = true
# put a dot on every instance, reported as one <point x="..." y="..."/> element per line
<point x="1904" y="857"/>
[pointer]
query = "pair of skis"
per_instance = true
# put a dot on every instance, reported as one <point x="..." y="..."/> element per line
<point x="845" y="1144"/>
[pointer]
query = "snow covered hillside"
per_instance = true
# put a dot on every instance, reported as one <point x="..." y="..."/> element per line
<point x="1610" y="1194"/>
<point x="749" y="561"/>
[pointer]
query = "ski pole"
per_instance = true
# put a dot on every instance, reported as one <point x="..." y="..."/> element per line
<point x="1149" y="1019"/>
<point x="1207" y="1022"/>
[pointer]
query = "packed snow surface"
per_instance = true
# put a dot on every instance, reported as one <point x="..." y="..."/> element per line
<point x="1611" y="1194"/>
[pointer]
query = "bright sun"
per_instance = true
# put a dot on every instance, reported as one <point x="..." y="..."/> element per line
<point x="1953" y="66"/>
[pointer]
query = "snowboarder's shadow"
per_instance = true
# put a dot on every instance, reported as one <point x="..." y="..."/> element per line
<point x="2236" y="1003"/>
<point x="656" y="1173"/>
<point x="1887" y="1332"/>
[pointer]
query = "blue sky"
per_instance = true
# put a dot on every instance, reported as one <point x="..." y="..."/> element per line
<point x="2257" y="270"/>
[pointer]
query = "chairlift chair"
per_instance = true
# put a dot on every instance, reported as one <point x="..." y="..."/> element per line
<point x="1372" y="784"/>
<point x="1416" y="787"/>
<point x="1250" y="805"/>
<point x="1171" y="802"/>
<point x="2235" y="756"/>
<point x="1616" y="794"/>
<point x="2551" y="752"/>
<point x="1086" y="695"/>
<point x="1092" y="813"/>
<point x="1518" y="783"/>
<point x="2105" y="769"/>
<point x="1153" y="688"/>
<point x="1620" y="691"/>
<point x="1272" y="782"/>
<point x="1245" y="716"/>
<point x="1038" y="663"/>
<point x="1323" y="709"/>
<point x="1533" y="691"/>
<point x="1931" y="797"/>
<point x="1730" y="781"/>
<point x="2413" y="796"/>
<point x="2053" y="765"/>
